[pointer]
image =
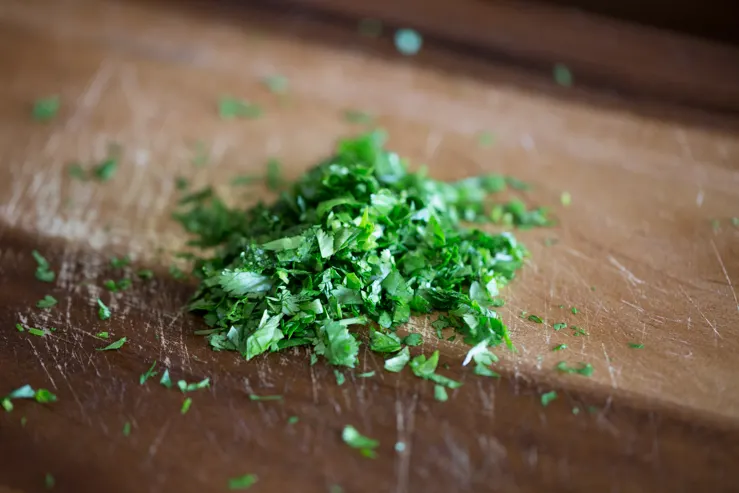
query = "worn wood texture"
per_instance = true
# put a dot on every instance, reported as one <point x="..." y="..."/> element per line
<point x="637" y="254"/>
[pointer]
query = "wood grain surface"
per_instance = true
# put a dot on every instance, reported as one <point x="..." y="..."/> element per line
<point x="636" y="252"/>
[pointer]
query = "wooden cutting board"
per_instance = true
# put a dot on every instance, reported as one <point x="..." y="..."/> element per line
<point x="638" y="253"/>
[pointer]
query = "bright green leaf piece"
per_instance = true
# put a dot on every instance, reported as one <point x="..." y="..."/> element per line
<point x="46" y="109"/>
<point x="103" y="311"/>
<point x="356" y="440"/>
<point x="114" y="345"/>
<point x="47" y="302"/>
<point x="548" y="397"/>
<point x="242" y="482"/>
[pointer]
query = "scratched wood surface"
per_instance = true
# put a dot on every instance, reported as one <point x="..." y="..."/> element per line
<point x="636" y="253"/>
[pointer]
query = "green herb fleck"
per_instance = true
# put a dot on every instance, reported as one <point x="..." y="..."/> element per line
<point x="19" y="327"/>
<point x="191" y="387"/>
<point x="49" y="481"/>
<point x="45" y="109"/>
<point x="242" y="482"/>
<point x="23" y="421"/>
<point x="356" y="440"/>
<point x="166" y="381"/>
<point x="400" y="446"/>
<point x="75" y="170"/>
<point x="366" y="374"/>
<point x="585" y="369"/>
<point x="559" y="347"/>
<point x="408" y="42"/>
<point x="114" y="345"/>
<point x="292" y="420"/>
<point x="36" y="332"/>
<point x="574" y="310"/>
<point x="186" y="405"/>
<point x="565" y="199"/>
<point x="340" y="379"/>
<point x="176" y="272"/>
<point x="440" y="393"/>
<point x="413" y="340"/>
<point x="119" y="263"/>
<point x="148" y="374"/>
<point x="578" y="331"/>
<point x="562" y="75"/>
<point x="103" y="335"/>
<point x="127" y="428"/>
<point x="636" y="345"/>
<point x="47" y="302"/>
<point x="559" y="326"/>
<point x="146" y="274"/>
<point x="575" y="410"/>
<point x="535" y="318"/>
<point x="103" y="311"/>
<point x="277" y="84"/>
<point x="106" y="170"/>
<point x="43" y="270"/>
<point x="230" y="108"/>
<point x="255" y="397"/>
<point x="548" y="397"/>
<point x="181" y="183"/>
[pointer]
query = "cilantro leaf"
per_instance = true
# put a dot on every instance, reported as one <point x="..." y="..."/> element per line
<point x="230" y="108"/>
<point x="43" y="270"/>
<point x="340" y="378"/>
<point x="191" y="387"/>
<point x="585" y="369"/>
<point x="255" y="397"/>
<point x="242" y="482"/>
<point x="47" y="302"/>
<point x="636" y="345"/>
<point x="381" y="342"/>
<point x="114" y="345"/>
<point x="104" y="311"/>
<point x="440" y="393"/>
<point x="45" y="109"/>
<point x="166" y="381"/>
<point x="266" y="336"/>
<point x="413" y="340"/>
<point x="548" y="397"/>
<point x="106" y="170"/>
<point x="354" y="439"/>
<point x="36" y="332"/>
<point x="337" y="344"/>
<point x="398" y="362"/>
<point x="148" y="374"/>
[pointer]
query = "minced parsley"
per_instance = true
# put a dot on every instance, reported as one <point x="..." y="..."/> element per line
<point x="255" y="397"/>
<point x="47" y="302"/>
<point x="440" y="393"/>
<point x="636" y="345"/>
<point x="559" y="326"/>
<point x="45" y="109"/>
<point x="186" y="405"/>
<point x="43" y="269"/>
<point x="559" y="347"/>
<point x="357" y="239"/>
<point x="148" y="374"/>
<point x="103" y="311"/>
<point x="548" y="397"/>
<point x="354" y="439"/>
<point x="126" y="428"/>
<point x="114" y="345"/>
<point x="242" y="482"/>
<point x="584" y="369"/>
<point x="340" y="378"/>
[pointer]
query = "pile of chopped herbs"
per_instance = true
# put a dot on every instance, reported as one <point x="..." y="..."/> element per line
<point x="358" y="240"/>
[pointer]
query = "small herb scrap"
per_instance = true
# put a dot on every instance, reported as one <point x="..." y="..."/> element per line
<point x="548" y="397"/>
<point x="356" y="440"/>
<point x="292" y="420"/>
<point x="186" y="405"/>
<point x="103" y="335"/>
<point x="230" y="108"/>
<point x="103" y="311"/>
<point x="277" y="84"/>
<point x="146" y="274"/>
<point x="242" y="482"/>
<point x="535" y="318"/>
<point x="106" y="169"/>
<point x="636" y="345"/>
<point x="559" y="326"/>
<point x="565" y="198"/>
<point x="398" y="362"/>
<point x="340" y="378"/>
<point x="119" y="263"/>
<point x="413" y="339"/>
<point x="585" y="369"/>
<point x="42" y="396"/>
<point x="43" y="270"/>
<point x="562" y="75"/>
<point x="37" y="332"/>
<point x="19" y="328"/>
<point x="148" y="374"/>
<point x="46" y="109"/>
<point x="191" y="387"/>
<point x="126" y="428"/>
<point x="114" y="345"/>
<point x="575" y="310"/>
<point x="166" y="380"/>
<point x="47" y="302"/>
<point x="559" y="347"/>
<point x="440" y="393"/>
<point x="578" y="331"/>
<point x="367" y="374"/>
<point x="255" y="397"/>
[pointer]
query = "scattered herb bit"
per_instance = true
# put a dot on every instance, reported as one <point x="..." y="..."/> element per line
<point x="43" y="270"/>
<point x="181" y="183"/>
<point x="559" y="347"/>
<point x="110" y="285"/>
<point x="23" y="421"/>
<point x="340" y="378"/>
<point x="119" y="263"/>
<point x="440" y="393"/>
<point x="146" y="274"/>
<point x="45" y="109"/>
<point x="19" y="327"/>
<point x="367" y="374"/>
<point x="186" y="405"/>
<point x="559" y="326"/>
<point x="515" y="213"/>
<point x="255" y="397"/>
<point x="562" y="75"/>
<point x="483" y="359"/>
<point x="485" y="139"/>
<point x="578" y="331"/>
<point x="292" y="420"/>
<point x="103" y="335"/>
<point x="176" y="272"/>
<point x="166" y="381"/>
<point x="148" y="374"/>
<point x="413" y="339"/>
<point x="36" y="332"/>
<point x="277" y="84"/>
<point x="636" y="345"/>
<point x="574" y="310"/>
<point x="104" y="311"/>
<point x="354" y="439"/>
<point x="357" y="116"/>
<point x="191" y="387"/>
<point x="231" y="108"/>
<point x="242" y="482"/>
<point x="106" y="170"/>
<point x="548" y="397"/>
<point x="357" y="240"/>
<point x="575" y="410"/>
<point x="565" y="198"/>
<point x="6" y="404"/>
<point x="124" y="284"/>
<point x="535" y="318"/>
<point x="47" y="302"/>
<point x="114" y="345"/>
<point x="370" y="27"/>
<point x="585" y="369"/>
<point x="126" y="429"/>
<point x="49" y="481"/>
<point x="408" y="42"/>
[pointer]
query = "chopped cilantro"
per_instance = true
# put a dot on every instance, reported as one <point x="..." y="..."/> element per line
<point x="19" y="327"/>
<point x="110" y="285"/>
<point x="191" y="387"/>
<point x="45" y="109"/>
<point x="559" y="347"/>
<point x="548" y="397"/>
<point x="562" y="75"/>
<point x="585" y="369"/>
<point x="176" y="272"/>
<point x="126" y="428"/>
<point x="535" y="318"/>
<point x="340" y="378"/>
<point x="559" y="326"/>
<point x="255" y="397"/>
<point x="181" y="183"/>
<point x="166" y="381"/>
<point x="408" y="41"/>
<point x="148" y="374"/>
<point x="413" y="340"/>
<point x="49" y="481"/>
<point x="36" y="332"/>
<point x="397" y="363"/>
<point x="636" y="345"/>
<point x="114" y="345"/>
<point x="106" y="170"/>
<point x="483" y="359"/>
<point x="43" y="270"/>
<point x="231" y="108"/>
<point x="104" y="311"/>
<point x="574" y="310"/>
<point x="292" y="420"/>
<point x="242" y="482"/>
<point x="103" y="335"/>
<point x="381" y="342"/>
<point x="357" y="116"/>
<point x="274" y="175"/>
<point x="146" y="274"/>
<point x="186" y="405"/>
<point x="124" y="284"/>
<point x="277" y="84"/>
<point x="354" y="439"/>
<point x="565" y="198"/>
<point x="440" y="393"/>
<point x="47" y="302"/>
<point x="366" y="374"/>
<point x="577" y="331"/>
<point x="119" y="263"/>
